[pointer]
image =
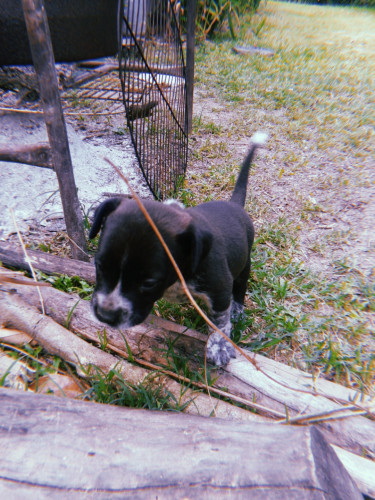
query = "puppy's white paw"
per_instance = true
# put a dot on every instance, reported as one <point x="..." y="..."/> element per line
<point x="219" y="350"/>
<point x="236" y="312"/>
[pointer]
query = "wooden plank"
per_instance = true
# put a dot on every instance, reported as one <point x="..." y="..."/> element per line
<point x="44" y="63"/>
<point x="65" y="448"/>
<point x="35" y="154"/>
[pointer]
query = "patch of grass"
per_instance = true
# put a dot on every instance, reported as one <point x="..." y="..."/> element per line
<point x="177" y="363"/>
<point x="210" y="127"/>
<point x="183" y="314"/>
<point x="314" y="81"/>
<point x="318" y="320"/>
<point x="69" y="284"/>
<point x="112" y="388"/>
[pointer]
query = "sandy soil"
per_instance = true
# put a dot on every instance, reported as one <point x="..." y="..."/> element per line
<point x="33" y="192"/>
<point x="338" y="222"/>
<point x="334" y="219"/>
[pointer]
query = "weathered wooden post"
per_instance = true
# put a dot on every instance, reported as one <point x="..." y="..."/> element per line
<point x="190" y="43"/>
<point x="44" y="63"/>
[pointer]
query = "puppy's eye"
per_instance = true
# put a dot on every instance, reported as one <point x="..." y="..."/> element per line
<point x="149" y="285"/>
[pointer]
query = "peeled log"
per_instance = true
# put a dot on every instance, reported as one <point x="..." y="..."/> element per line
<point x="355" y="433"/>
<point x="58" y="448"/>
<point x="16" y="313"/>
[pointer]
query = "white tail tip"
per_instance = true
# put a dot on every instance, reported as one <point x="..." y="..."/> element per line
<point x="259" y="138"/>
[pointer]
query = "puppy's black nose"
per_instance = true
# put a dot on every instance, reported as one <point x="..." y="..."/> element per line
<point x="112" y="317"/>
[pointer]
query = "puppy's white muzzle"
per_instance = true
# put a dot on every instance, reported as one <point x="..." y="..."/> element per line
<point x="113" y="308"/>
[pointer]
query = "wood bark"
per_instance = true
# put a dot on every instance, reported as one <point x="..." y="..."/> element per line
<point x="57" y="340"/>
<point x="44" y="63"/>
<point x="54" y="448"/>
<point x="13" y="256"/>
<point x="298" y="392"/>
<point x="146" y="341"/>
<point x="35" y="154"/>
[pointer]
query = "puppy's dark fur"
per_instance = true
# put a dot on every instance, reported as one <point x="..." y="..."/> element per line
<point x="211" y="244"/>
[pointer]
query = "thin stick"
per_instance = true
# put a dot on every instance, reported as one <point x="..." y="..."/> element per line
<point x="77" y="246"/>
<point x="186" y="380"/>
<point x="28" y="355"/>
<point x="338" y="413"/>
<point x="11" y="277"/>
<point x="28" y="260"/>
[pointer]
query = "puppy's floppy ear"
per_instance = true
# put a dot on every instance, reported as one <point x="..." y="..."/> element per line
<point x="196" y="243"/>
<point x="102" y="211"/>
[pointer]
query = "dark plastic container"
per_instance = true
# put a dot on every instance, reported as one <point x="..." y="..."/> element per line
<point x="80" y="29"/>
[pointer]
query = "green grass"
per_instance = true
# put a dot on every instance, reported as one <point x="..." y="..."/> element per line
<point x="112" y="388"/>
<point x="315" y="96"/>
<point x="69" y="284"/>
<point x="315" y="76"/>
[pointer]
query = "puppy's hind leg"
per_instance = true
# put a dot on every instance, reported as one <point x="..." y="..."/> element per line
<point x="239" y="292"/>
<point x="219" y="350"/>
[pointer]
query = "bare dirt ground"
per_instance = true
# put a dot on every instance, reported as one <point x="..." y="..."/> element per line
<point x="333" y="215"/>
<point x="33" y="193"/>
<point x="334" y="219"/>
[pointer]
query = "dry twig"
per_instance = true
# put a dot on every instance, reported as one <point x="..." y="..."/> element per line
<point x="27" y="258"/>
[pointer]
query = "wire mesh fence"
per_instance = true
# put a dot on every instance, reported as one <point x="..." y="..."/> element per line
<point x="152" y="74"/>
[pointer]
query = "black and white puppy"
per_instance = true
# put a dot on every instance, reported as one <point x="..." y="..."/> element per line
<point x="211" y="244"/>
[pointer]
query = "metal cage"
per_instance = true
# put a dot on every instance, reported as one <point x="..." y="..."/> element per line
<point x="153" y="80"/>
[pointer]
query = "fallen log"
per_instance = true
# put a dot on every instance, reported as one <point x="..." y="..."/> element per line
<point x="147" y="341"/>
<point x="13" y="256"/>
<point x="14" y="336"/>
<point x="301" y="393"/>
<point x="74" y="449"/>
<point x="74" y="81"/>
<point x="57" y="340"/>
<point x="293" y="389"/>
<point x="360" y="469"/>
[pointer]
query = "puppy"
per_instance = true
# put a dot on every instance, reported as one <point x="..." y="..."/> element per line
<point x="211" y="244"/>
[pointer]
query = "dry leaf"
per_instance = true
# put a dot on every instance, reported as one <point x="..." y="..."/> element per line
<point x="58" y="384"/>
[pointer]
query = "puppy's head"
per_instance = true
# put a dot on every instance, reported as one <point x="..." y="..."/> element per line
<point x="132" y="268"/>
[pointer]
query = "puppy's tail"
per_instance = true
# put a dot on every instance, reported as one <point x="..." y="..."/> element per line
<point x="239" y="192"/>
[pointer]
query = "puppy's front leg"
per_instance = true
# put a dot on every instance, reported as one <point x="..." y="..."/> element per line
<point x="219" y="350"/>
